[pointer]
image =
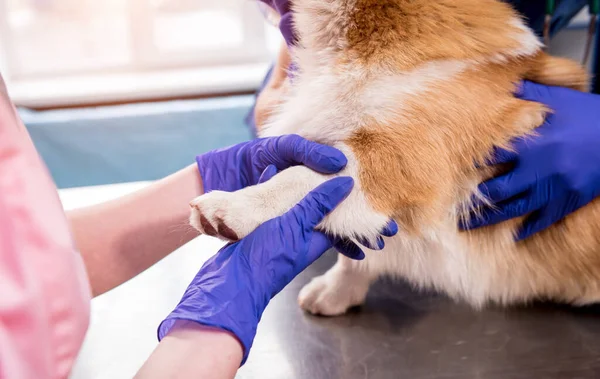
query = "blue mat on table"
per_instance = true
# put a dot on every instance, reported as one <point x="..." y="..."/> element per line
<point x="137" y="142"/>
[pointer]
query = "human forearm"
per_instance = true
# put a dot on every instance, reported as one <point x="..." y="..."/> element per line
<point x="191" y="350"/>
<point x="123" y="237"/>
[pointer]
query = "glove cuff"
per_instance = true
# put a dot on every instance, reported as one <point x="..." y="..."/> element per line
<point x="167" y="324"/>
<point x="205" y="172"/>
<point x="213" y="178"/>
<point x="239" y="316"/>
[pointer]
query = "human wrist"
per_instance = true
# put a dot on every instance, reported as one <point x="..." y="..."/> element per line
<point x="237" y="313"/>
<point x="220" y="169"/>
<point x="204" y="170"/>
<point x="194" y="331"/>
<point x="192" y="350"/>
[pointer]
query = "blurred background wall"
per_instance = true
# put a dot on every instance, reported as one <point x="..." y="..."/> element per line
<point x="130" y="90"/>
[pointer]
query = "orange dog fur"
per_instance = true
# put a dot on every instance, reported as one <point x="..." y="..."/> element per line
<point x="417" y="93"/>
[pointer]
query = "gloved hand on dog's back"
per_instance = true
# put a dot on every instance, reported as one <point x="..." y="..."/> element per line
<point x="556" y="172"/>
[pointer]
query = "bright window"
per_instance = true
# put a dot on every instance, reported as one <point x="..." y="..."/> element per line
<point x="55" y="52"/>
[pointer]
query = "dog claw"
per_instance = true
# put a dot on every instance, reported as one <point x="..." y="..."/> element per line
<point x="226" y="231"/>
<point x="206" y="225"/>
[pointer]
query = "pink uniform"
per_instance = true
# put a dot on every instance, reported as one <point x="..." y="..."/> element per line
<point x="44" y="290"/>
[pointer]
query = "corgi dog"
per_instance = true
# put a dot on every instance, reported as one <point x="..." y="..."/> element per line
<point x="417" y="94"/>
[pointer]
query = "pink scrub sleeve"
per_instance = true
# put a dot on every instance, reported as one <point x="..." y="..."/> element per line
<point x="44" y="290"/>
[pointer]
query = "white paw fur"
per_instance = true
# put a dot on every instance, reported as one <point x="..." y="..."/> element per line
<point x="336" y="291"/>
<point x="230" y="214"/>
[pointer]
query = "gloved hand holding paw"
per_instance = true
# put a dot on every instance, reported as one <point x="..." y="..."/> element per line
<point x="233" y="288"/>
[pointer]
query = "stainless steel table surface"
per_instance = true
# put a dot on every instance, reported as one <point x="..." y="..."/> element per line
<point x="398" y="333"/>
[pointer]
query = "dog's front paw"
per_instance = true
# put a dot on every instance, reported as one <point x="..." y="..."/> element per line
<point x="331" y="294"/>
<point x="226" y="215"/>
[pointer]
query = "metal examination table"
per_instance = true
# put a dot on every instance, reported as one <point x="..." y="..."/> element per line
<point x="403" y="334"/>
<point x="397" y="334"/>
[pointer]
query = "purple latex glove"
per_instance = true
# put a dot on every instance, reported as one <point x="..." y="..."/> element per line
<point x="285" y="23"/>
<point x="234" y="287"/>
<point x="239" y="166"/>
<point x="233" y="168"/>
<point x="554" y="173"/>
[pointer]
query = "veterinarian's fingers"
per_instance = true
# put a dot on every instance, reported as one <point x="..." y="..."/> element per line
<point x="502" y="156"/>
<point x="533" y="92"/>
<point x="267" y="174"/>
<point x="319" y="244"/>
<point x="311" y="210"/>
<point x="390" y="229"/>
<point x="349" y="249"/>
<point x="366" y="243"/>
<point x="504" y="187"/>
<point x="499" y="156"/>
<point x="534" y="224"/>
<point x="537" y="222"/>
<point x="503" y="212"/>
<point x="294" y="150"/>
